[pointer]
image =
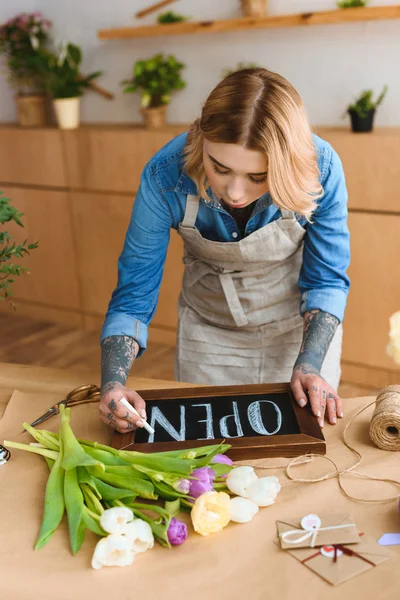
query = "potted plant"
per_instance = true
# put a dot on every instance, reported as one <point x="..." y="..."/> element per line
<point x="155" y="79"/>
<point x="9" y="250"/>
<point x="362" y="111"/>
<point x="351" y="3"/>
<point x="170" y="17"/>
<point x="239" y="67"/>
<point x="23" y="41"/>
<point x="254" y="8"/>
<point x="66" y="84"/>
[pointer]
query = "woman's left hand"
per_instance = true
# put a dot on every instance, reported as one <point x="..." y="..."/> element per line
<point x="308" y="385"/>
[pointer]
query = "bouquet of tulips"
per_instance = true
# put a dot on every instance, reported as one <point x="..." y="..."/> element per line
<point x="132" y="498"/>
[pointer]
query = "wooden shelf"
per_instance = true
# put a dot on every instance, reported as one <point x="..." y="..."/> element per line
<point x="347" y="15"/>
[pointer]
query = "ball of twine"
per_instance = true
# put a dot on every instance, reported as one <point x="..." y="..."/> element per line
<point x="384" y="429"/>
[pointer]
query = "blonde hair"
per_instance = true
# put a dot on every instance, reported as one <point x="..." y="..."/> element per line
<point x="260" y="110"/>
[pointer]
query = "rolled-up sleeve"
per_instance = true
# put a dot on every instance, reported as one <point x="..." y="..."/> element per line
<point x="140" y="265"/>
<point x="323" y="279"/>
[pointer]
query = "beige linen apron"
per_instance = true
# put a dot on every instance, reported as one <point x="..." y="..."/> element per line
<point x="238" y="310"/>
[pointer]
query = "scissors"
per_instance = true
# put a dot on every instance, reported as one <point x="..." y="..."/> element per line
<point x="80" y="395"/>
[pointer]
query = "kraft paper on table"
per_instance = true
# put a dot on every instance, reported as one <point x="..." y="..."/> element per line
<point x="240" y="562"/>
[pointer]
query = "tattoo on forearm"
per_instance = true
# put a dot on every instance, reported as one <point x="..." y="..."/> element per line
<point x="117" y="356"/>
<point x="319" y="329"/>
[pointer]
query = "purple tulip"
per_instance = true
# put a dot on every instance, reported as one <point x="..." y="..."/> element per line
<point x="177" y="532"/>
<point x="224" y="460"/>
<point x="203" y="482"/>
<point x="182" y="486"/>
<point x="221" y="458"/>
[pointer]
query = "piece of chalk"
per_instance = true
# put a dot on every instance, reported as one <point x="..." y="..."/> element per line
<point x="135" y="412"/>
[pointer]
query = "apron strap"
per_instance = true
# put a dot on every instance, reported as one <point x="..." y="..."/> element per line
<point x="192" y="208"/>
<point x="287" y="214"/>
<point x="232" y="300"/>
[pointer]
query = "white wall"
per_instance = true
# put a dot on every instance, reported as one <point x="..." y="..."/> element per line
<point x="328" y="64"/>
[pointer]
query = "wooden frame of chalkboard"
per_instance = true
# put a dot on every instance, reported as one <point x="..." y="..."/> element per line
<point x="302" y="435"/>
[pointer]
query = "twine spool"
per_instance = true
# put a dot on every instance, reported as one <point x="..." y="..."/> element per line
<point x="384" y="432"/>
<point x="384" y="429"/>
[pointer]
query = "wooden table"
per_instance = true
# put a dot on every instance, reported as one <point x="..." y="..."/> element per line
<point x="242" y="561"/>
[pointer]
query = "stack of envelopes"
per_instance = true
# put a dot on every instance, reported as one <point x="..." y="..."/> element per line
<point x="330" y="546"/>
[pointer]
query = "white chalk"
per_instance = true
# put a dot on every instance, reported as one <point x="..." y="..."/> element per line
<point x="135" y="412"/>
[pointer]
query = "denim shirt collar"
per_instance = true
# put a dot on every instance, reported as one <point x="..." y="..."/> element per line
<point x="186" y="185"/>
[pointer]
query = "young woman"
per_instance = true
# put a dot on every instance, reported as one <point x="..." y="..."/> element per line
<point x="261" y="205"/>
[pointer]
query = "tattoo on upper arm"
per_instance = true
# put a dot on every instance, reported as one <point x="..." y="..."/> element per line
<point x="117" y="356"/>
<point x="319" y="329"/>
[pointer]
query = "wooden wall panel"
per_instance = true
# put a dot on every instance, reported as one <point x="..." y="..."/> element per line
<point x="111" y="158"/>
<point x="367" y="376"/>
<point x="31" y="156"/>
<point x="100" y="223"/>
<point x="46" y="219"/>
<point x="166" y="314"/>
<point x="375" y="289"/>
<point x="157" y="335"/>
<point x="371" y="165"/>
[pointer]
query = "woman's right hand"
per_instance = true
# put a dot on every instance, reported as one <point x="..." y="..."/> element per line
<point x="115" y="414"/>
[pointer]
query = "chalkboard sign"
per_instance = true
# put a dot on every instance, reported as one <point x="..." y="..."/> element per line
<point x="257" y="420"/>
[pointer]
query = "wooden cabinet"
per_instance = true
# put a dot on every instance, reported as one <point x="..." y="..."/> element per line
<point x="375" y="289"/>
<point x="77" y="189"/>
<point x="46" y="218"/>
<point x="371" y="166"/>
<point x="100" y="224"/>
<point x="32" y="157"/>
<point x="112" y="158"/>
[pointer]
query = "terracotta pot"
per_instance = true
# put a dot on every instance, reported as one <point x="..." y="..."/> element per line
<point x="31" y="110"/>
<point x="67" y="112"/>
<point x="254" y="8"/>
<point x="154" y="117"/>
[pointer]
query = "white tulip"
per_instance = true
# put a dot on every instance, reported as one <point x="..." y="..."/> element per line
<point x="264" y="491"/>
<point x="242" y="510"/>
<point x="239" y="479"/>
<point x="140" y="535"/>
<point x="114" y="520"/>
<point x="113" y="551"/>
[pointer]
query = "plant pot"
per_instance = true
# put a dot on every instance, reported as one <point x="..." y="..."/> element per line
<point x="154" y="118"/>
<point x="254" y="8"/>
<point x="362" y="124"/>
<point x="67" y="112"/>
<point x="31" y="110"/>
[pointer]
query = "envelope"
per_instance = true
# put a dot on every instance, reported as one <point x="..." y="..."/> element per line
<point x="350" y="560"/>
<point x="313" y="531"/>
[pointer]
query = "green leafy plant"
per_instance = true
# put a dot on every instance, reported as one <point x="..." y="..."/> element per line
<point x="364" y="103"/>
<point x="23" y="43"/>
<point x="171" y="17"/>
<point x="351" y="3"/>
<point x="61" y="73"/>
<point x="239" y="67"/>
<point x="9" y="250"/>
<point x="155" y="78"/>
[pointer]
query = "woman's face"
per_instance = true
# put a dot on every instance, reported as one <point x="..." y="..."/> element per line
<point x="236" y="174"/>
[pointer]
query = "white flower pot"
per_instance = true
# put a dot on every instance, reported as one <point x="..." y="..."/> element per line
<point x="67" y="112"/>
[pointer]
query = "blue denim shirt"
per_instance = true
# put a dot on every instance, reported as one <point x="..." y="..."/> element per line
<point x="160" y="205"/>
